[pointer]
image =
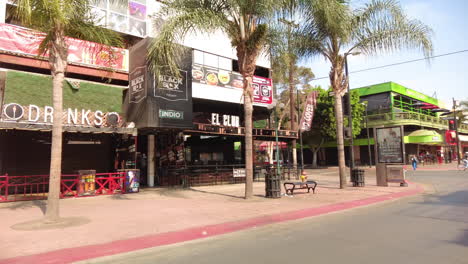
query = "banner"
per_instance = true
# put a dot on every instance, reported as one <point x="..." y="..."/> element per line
<point x="26" y="41"/>
<point x="262" y="87"/>
<point x="163" y="101"/>
<point x="308" y="114"/>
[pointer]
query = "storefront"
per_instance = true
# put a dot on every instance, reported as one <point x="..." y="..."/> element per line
<point x="191" y="125"/>
<point x="95" y="137"/>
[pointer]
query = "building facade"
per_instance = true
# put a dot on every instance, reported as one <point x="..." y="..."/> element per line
<point x="427" y="134"/>
<point x="98" y="133"/>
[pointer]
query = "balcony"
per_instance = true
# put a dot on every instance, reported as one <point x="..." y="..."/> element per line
<point x="411" y="118"/>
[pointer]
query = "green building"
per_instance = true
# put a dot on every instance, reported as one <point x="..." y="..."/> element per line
<point x="426" y="132"/>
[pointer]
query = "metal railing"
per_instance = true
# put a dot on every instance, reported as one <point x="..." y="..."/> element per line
<point x="36" y="187"/>
<point x="410" y="116"/>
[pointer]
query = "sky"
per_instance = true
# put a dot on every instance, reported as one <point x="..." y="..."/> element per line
<point x="443" y="77"/>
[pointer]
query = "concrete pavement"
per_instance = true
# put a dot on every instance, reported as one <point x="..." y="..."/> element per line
<point x="158" y="216"/>
<point x="431" y="228"/>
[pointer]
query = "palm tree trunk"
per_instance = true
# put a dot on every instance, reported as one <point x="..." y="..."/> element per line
<point x="314" y="157"/>
<point x="340" y="139"/>
<point x="248" y="111"/>
<point x="58" y="64"/>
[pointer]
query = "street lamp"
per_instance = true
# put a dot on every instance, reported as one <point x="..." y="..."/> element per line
<point x="272" y="107"/>
<point x="350" y="115"/>
<point x="368" y="136"/>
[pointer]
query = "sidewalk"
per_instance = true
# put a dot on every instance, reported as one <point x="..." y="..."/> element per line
<point x="160" y="210"/>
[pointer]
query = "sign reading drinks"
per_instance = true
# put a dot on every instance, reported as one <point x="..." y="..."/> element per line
<point x="33" y="114"/>
<point x="163" y="101"/>
<point x="389" y="145"/>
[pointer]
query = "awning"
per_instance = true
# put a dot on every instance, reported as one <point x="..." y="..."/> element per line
<point x="424" y="136"/>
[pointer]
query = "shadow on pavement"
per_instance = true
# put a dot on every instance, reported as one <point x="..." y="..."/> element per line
<point x="217" y="193"/>
<point x="41" y="204"/>
<point x="462" y="239"/>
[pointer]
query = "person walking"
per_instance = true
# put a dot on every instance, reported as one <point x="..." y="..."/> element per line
<point x="414" y="162"/>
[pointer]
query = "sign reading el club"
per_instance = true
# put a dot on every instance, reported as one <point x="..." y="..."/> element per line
<point x="224" y="120"/>
<point x="33" y="114"/>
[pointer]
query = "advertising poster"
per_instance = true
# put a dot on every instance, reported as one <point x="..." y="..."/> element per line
<point x="132" y="181"/>
<point x="87" y="182"/>
<point x="389" y="145"/>
<point x="262" y="87"/>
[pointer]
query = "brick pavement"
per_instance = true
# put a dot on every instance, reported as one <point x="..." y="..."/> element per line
<point x="160" y="210"/>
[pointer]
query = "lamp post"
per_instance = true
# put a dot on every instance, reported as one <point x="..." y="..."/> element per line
<point x="368" y="136"/>
<point x="456" y="129"/>
<point x="272" y="107"/>
<point x="350" y="115"/>
<point x="299" y="130"/>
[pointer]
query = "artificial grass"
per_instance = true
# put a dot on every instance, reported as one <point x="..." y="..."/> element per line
<point x="26" y="88"/>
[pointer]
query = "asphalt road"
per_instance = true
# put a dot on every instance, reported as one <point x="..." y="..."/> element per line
<point x="428" y="228"/>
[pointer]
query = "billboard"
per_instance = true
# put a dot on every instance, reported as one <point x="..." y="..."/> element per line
<point x="26" y="41"/>
<point x="389" y="144"/>
<point x="262" y="87"/>
<point x="163" y="101"/>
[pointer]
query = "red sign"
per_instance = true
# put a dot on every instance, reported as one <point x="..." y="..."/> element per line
<point x="308" y="114"/>
<point x="262" y="90"/>
<point x="450" y="137"/>
<point x="26" y="41"/>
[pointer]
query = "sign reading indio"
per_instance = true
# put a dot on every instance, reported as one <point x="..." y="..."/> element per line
<point x="34" y="114"/>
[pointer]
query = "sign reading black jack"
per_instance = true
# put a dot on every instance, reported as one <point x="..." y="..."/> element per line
<point x="163" y="101"/>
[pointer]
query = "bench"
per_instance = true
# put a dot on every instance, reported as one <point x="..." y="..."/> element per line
<point x="291" y="186"/>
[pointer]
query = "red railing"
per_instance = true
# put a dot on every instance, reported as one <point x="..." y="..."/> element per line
<point x="36" y="187"/>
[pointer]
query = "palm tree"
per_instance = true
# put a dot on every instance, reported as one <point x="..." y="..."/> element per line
<point x="60" y="19"/>
<point x="246" y="25"/>
<point x="335" y="30"/>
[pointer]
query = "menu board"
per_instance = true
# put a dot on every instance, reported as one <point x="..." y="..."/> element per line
<point x="389" y="145"/>
<point x="262" y="87"/>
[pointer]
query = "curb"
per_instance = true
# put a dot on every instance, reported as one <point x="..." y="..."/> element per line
<point x="69" y="255"/>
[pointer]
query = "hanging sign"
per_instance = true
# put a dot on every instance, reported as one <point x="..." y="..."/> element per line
<point x="308" y="114"/>
<point x="163" y="101"/>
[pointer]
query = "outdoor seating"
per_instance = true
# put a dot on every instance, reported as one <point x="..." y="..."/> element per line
<point x="289" y="187"/>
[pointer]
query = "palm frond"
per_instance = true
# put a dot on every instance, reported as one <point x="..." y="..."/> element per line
<point x="382" y="26"/>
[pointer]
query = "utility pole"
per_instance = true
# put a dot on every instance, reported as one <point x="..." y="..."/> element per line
<point x="291" y="73"/>
<point x="350" y="121"/>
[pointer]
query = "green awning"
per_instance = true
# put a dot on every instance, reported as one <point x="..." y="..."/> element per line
<point x="28" y="88"/>
<point x="424" y="136"/>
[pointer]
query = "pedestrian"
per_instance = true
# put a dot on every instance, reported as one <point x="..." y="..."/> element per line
<point x="414" y="162"/>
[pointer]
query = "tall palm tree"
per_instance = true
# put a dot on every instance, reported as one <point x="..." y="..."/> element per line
<point x="246" y="25"/>
<point x="335" y="30"/>
<point x="60" y="19"/>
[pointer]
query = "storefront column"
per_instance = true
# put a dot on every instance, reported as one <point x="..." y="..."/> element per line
<point x="151" y="161"/>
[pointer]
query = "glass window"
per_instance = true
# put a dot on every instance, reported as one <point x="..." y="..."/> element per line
<point x="118" y="22"/>
<point x="99" y="3"/>
<point x="211" y="60"/>
<point x="198" y="57"/>
<point x="137" y="10"/>
<point x="119" y="6"/>
<point x="225" y="64"/>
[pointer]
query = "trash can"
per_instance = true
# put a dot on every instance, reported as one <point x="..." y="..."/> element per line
<point x="357" y="177"/>
<point x="272" y="184"/>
